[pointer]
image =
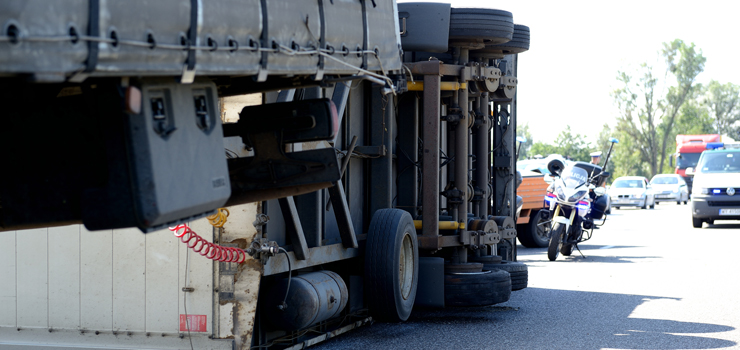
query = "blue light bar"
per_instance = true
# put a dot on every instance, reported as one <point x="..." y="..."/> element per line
<point x="715" y="145"/>
<point x="716" y="191"/>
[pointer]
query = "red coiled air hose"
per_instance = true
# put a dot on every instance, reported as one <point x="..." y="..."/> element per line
<point x="208" y="249"/>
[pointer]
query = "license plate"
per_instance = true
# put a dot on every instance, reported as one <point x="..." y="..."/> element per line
<point x="729" y="212"/>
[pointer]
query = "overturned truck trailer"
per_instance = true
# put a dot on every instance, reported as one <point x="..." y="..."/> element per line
<point x="251" y="173"/>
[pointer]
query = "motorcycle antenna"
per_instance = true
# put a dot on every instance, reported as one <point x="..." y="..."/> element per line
<point x="609" y="154"/>
<point x="522" y="140"/>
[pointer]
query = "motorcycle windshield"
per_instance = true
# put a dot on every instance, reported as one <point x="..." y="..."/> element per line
<point x="574" y="177"/>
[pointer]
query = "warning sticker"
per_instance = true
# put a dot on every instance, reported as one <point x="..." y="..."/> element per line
<point x="196" y="323"/>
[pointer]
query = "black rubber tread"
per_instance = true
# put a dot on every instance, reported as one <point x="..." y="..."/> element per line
<point x="480" y="289"/>
<point x="524" y="235"/>
<point x="644" y="204"/>
<point x="538" y="241"/>
<point x="696" y="222"/>
<point x="518" y="271"/>
<point x="519" y="41"/>
<point x="479" y="11"/>
<point x="486" y="259"/>
<point x="491" y="26"/>
<point x="556" y="239"/>
<point x="382" y="254"/>
<point x="567" y="249"/>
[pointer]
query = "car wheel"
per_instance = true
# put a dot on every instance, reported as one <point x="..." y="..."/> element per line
<point x="685" y="202"/>
<point x="696" y="222"/>
<point x="652" y="206"/>
<point x="644" y="204"/>
<point x="616" y="208"/>
<point x="679" y="202"/>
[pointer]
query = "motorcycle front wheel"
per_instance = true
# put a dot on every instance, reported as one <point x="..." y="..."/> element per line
<point x="556" y="241"/>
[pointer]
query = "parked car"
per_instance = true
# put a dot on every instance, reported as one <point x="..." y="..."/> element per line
<point x="631" y="191"/>
<point x="716" y="191"/>
<point x="670" y="188"/>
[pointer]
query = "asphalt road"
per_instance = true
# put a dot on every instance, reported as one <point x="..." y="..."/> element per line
<point x="648" y="281"/>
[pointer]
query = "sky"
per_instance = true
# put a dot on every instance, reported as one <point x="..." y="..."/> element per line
<point x="577" y="48"/>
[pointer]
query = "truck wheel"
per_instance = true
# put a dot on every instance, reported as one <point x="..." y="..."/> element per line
<point x="524" y="235"/>
<point x="696" y="222"/>
<point x="391" y="265"/>
<point x="491" y="26"/>
<point x="517" y="271"/>
<point x="488" y="287"/>
<point x="534" y="235"/>
<point x="556" y="241"/>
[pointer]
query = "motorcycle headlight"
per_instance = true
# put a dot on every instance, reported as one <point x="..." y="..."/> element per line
<point x="577" y="196"/>
<point x="560" y="193"/>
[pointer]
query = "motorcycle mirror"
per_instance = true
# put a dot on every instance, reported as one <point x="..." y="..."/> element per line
<point x="549" y="179"/>
<point x="613" y="140"/>
<point x="521" y="139"/>
<point x="600" y="191"/>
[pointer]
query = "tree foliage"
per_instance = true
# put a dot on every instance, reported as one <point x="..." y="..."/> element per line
<point x="649" y="107"/>
<point x="722" y="101"/>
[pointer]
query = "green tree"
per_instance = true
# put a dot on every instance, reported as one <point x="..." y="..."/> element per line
<point x="574" y="147"/>
<point x="647" y="117"/>
<point x="523" y="130"/>
<point x="722" y="100"/>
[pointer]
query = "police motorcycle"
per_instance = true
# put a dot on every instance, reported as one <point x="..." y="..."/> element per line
<point x="576" y="199"/>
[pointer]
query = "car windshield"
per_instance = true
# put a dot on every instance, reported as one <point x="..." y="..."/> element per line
<point x="685" y="160"/>
<point x="720" y="162"/>
<point x="664" y="180"/>
<point x="624" y="183"/>
<point x="574" y="177"/>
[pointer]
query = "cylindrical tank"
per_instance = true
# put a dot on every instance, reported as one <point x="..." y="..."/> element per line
<point x="312" y="298"/>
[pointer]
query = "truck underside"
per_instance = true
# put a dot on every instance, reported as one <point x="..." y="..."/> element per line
<point x="359" y="172"/>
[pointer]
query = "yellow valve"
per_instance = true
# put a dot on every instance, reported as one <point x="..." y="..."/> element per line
<point x="443" y="225"/>
<point x="443" y="86"/>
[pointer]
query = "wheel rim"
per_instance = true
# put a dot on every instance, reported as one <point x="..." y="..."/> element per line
<point x="406" y="266"/>
<point x="543" y="231"/>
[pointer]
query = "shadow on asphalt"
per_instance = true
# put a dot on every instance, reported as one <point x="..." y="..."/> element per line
<point x="536" y="318"/>
<point x="588" y="252"/>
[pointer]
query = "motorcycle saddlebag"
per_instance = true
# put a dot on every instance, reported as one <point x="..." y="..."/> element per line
<point x="599" y="207"/>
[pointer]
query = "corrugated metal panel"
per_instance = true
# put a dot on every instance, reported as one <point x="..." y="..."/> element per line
<point x="162" y="282"/>
<point x="129" y="283"/>
<point x="96" y="279"/>
<point x="7" y="280"/>
<point x="33" y="278"/>
<point x="64" y="277"/>
<point x="199" y="277"/>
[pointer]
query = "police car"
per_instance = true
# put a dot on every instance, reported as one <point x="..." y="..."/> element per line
<point x="716" y="190"/>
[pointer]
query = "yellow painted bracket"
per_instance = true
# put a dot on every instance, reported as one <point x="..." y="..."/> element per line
<point x="443" y="225"/>
<point x="443" y="86"/>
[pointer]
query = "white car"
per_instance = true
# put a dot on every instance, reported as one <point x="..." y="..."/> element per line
<point x="631" y="191"/>
<point x="670" y="188"/>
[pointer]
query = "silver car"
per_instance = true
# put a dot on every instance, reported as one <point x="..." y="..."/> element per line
<point x="631" y="191"/>
<point x="670" y="188"/>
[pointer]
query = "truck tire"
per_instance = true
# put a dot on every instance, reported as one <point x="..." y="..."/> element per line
<point x="490" y="26"/>
<point x="518" y="272"/>
<point x="484" y="288"/>
<point x="391" y="265"/>
<point x="556" y="241"/>
<point x="534" y="235"/>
